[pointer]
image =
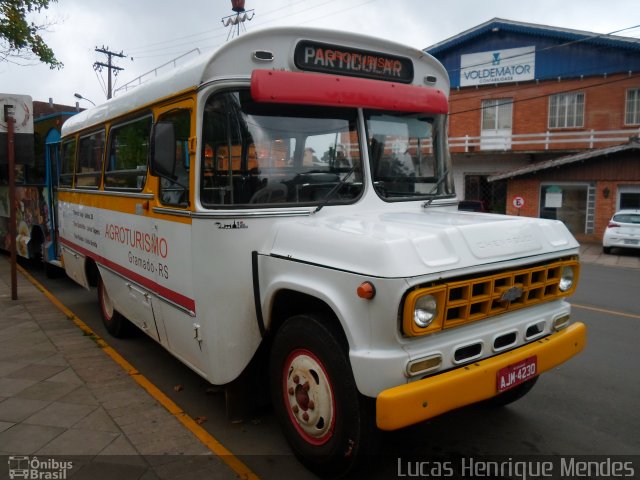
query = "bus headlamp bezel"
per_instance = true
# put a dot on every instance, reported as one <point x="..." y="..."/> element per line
<point x="424" y="311"/>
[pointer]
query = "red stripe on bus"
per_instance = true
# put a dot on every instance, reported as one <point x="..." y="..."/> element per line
<point x="273" y="86"/>
<point x="171" y="295"/>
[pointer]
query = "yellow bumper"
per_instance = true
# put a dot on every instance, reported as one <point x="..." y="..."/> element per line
<point x="415" y="402"/>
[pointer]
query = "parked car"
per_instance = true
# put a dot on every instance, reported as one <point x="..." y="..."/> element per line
<point x="623" y="231"/>
<point x="473" y="206"/>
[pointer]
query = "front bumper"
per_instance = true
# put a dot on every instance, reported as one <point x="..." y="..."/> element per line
<point x="415" y="402"/>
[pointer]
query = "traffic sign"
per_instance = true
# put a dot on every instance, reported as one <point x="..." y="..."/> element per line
<point x="518" y="202"/>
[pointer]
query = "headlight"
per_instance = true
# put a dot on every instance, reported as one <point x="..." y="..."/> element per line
<point x="566" y="279"/>
<point x="425" y="311"/>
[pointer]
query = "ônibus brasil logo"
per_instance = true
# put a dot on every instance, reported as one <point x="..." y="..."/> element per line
<point x="23" y="466"/>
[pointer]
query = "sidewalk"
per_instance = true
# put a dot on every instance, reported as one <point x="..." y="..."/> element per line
<point x="61" y="395"/>
<point x="592" y="253"/>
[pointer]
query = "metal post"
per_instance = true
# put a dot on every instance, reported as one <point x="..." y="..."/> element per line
<point x="11" y="166"/>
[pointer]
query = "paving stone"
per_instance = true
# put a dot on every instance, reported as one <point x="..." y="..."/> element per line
<point x="54" y="359"/>
<point x="108" y="471"/>
<point x="67" y="375"/>
<point x="80" y="442"/>
<point x="12" y="386"/>
<point x="7" y="367"/>
<point x="36" y="372"/>
<point x="98" y="420"/>
<point x="47" y="390"/>
<point x="81" y="395"/>
<point x="17" y="409"/>
<point x="59" y="414"/>
<point x="119" y="448"/>
<point x="24" y="439"/>
<point x="5" y="425"/>
<point x="32" y="355"/>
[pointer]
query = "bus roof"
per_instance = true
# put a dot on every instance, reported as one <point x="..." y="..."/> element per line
<point x="236" y="59"/>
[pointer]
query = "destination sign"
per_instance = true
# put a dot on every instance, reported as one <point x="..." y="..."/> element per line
<point x="326" y="58"/>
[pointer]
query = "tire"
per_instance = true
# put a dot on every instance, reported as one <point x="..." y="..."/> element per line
<point x="117" y="325"/>
<point x="328" y="424"/>
<point x="510" y="396"/>
<point x="606" y="250"/>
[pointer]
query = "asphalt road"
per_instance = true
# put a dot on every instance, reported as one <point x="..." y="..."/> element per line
<point x="588" y="406"/>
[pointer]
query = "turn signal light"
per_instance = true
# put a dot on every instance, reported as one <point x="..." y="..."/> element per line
<point x="366" y="290"/>
<point x="424" y="365"/>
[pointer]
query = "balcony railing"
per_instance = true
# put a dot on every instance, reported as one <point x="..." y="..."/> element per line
<point x="543" y="141"/>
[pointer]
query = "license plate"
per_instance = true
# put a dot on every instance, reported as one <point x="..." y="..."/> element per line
<point x="517" y="373"/>
<point x="630" y="242"/>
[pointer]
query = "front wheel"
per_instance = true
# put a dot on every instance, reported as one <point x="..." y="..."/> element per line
<point x="328" y="424"/>
<point x="114" y="322"/>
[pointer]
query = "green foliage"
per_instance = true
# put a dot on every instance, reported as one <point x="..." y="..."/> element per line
<point x="20" y="37"/>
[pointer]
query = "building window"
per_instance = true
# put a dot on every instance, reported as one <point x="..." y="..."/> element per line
<point x="629" y="197"/>
<point x="632" y="109"/>
<point x="496" y="114"/>
<point x="566" y="110"/>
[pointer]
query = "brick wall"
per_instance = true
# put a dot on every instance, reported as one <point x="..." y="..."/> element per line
<point x="604" y="106"/>
<point x="605" y="207"/>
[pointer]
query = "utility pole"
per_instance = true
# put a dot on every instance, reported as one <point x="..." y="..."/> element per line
<point x="11" y="167"/>
<point x="109" y="66"/>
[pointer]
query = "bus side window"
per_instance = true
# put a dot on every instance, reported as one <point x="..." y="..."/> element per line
<point x="128" y="150"/>
<point x="90" y="154"/>
<point x="176" y="191"/>
<point x="68" y="162"/>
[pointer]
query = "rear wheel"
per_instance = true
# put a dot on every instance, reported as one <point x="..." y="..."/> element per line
<point x="114" y="322"/>
<point x="328" y="424"/>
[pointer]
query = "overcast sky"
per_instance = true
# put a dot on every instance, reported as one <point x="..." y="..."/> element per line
<point x="153" y="32"/>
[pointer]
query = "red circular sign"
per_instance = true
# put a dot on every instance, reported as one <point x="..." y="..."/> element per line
<point x="518" y="202"/>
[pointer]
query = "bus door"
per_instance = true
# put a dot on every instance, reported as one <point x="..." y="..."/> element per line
<point x="52" y="162"/>
<point x="174" y="198"/>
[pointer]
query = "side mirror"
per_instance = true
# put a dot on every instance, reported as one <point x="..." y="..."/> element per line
<point x="163" y="150"/>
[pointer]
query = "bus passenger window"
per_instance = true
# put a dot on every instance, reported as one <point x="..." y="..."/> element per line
<point x="67" y="163"/>
<point x="128" y="150"/>
<point x="89" y="166"/>
<point x="175" y="191"/>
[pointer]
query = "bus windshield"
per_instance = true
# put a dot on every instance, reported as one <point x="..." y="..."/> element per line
<point x="257" y="154"/>
<point x="408" y="155"/>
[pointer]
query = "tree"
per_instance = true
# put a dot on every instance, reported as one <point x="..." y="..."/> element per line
<point x="19" y="36"/>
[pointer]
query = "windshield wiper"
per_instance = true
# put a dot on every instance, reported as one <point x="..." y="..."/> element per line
<point x="335" y="189"/>
<point x="435" y="187"/>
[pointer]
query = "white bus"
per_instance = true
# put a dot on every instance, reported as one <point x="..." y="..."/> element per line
<point x="284" y="207"/>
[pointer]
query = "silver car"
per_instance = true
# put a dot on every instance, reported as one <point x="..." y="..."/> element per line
<point x="623" y="231"/>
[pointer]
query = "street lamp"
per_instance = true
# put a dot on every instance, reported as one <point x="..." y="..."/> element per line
<point x="78" y="96"/>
